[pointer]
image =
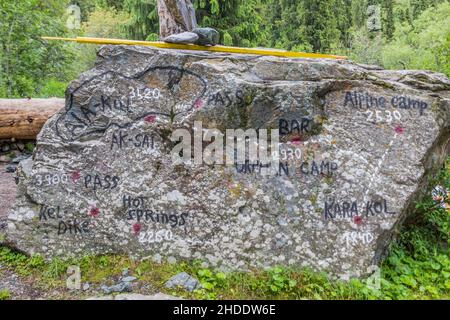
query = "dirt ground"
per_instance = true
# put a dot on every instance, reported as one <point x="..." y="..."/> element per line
<point x="24" y="288"/>
<point x="7" y="191"/>
<point x="17" y="287"/>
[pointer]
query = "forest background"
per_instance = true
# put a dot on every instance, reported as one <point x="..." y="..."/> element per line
<point x="410" y="34"/>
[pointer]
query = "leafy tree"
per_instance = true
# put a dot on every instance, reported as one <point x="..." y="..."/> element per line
<point x="414" y="33"/>
<point x="26" y="61"/>
<point x="359" y="13"/>
<point x="423" y="45"/>
<point x="344" y="17"/>
<point x="143" y="23"/>
<point x="419" y="6"/>
<point x="364" y="48"/>
<point x="240" y="22"/>
<point x="388" y="18"/>
<point x="319" y="24"/>
<point x="110" y="4"/>
<point x="104" y="22"/>
<point x="86" y="7"/>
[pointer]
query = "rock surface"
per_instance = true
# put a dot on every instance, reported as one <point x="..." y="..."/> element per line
<point x="207" y="36"/>
<point x="183" y="280"/>
<point x="357" y="144"/>
<point x="18" y="287"/>
<point x="182" y="38"/>
<point x="120" y="287"/>
<point x="135" y="296"/>
<point x="7" y="196"/>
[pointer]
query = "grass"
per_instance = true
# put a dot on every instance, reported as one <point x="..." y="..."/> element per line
<point x="418" y="267"/>
<point x="4" y="294"/>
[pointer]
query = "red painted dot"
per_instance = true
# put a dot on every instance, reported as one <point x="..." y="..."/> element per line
<point x="150" y="119"/>
<point x="137" y="227"/>
<point x="297" y="140"/>
<point x="94" y="212"/>
<point x="75" y="176"/>
<point x="357" y="220"/>
<point x="198" y="103"/>
<point x="399" y="129"/>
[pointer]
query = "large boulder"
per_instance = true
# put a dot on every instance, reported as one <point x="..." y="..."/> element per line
<point x="357" y="144"/>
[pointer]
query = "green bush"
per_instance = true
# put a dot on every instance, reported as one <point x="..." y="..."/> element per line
<point x="53" y="88"/>
<point x="4" y="294"/>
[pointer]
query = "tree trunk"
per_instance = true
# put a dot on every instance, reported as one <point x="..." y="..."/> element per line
<point x="175" y="16"/>
<point x="24" y="118"/>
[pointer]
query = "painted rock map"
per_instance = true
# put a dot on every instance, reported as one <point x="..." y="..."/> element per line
<point x="357" y="144"/>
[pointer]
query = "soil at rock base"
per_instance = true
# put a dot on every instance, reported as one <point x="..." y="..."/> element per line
<point x="7" y="192"/>
<point x="16" y="286"/>
<point x="25" y="288"/>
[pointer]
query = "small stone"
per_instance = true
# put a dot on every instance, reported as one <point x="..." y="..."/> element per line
<point x="157" y="258"/>
<point x="182" y="38"/>
<point x="4" y="159"/>
<point x="20" y="146"/>
<point x="11" y="168"/>
<point x="101" y="298"/>
<point x="105" y="289"/>
<point x="125" y="272"/>
<point x="282" y="221"/>
<point x="183" y="280"/>
<point x="171" y="260"/>
<point x="23" y="156"/>
<point x="129" y="279"/>
<point x="86" y="286"/>
<point x="207" y="36"/>
<point x="121" y="287"/>
<point x="134" y="296"/>
<point x="5" y="148"/>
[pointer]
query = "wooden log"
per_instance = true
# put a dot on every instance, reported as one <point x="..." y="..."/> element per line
<point x="24" y="118"/>
<point x="175" y="16"/>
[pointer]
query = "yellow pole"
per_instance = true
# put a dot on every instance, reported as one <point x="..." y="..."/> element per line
<point x="165" y="45"/>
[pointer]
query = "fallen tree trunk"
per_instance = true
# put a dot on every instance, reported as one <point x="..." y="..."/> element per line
<point x="175" y="16"/>
<point x="24" y="118"/>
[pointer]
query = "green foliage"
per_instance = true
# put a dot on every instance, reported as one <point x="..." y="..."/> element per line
<point x="26" y="61"/>
<point x="12" y="258"/>
<point x="106" y="22"/>
<point x="241" y="23"/>
<point x="424" y="44"/>
<point x="143" y="18"/>
<point x="53" y="88"/>
<point x="388" y="18"/>
<point x="29" y="146"/>
<point x="4" y="294"/>
<point x="419" y="264"/>
<point x="227" y="39"/>
<point x="56" y="268"/>
<point x="210" y="282"/>
<point x="279" y="280"/>
<point x="364" y="48"/>
<point x="415" y="34"/>
<point x="407" y="277"/>
<point x="22" y="264"/>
